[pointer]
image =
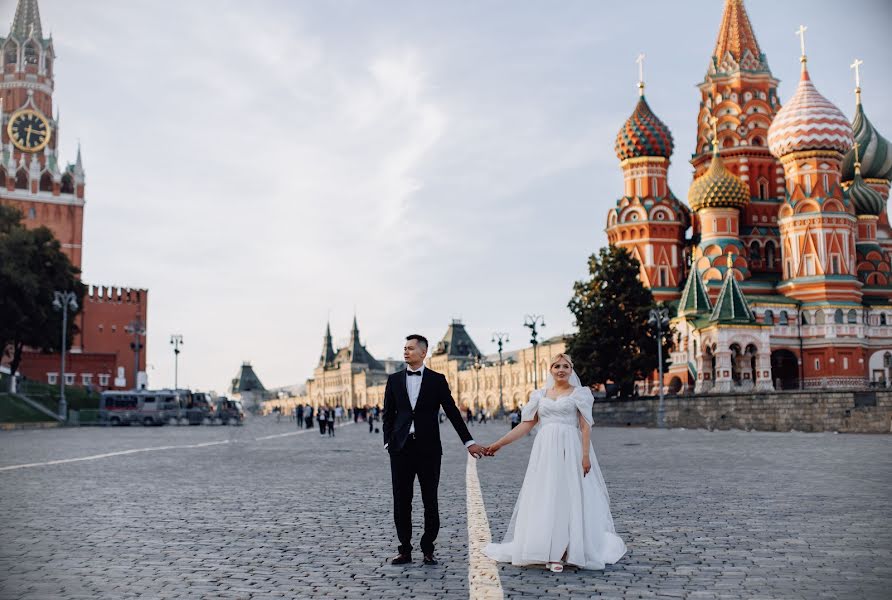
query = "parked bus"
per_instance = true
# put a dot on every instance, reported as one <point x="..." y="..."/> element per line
<point x="146" y="407"/>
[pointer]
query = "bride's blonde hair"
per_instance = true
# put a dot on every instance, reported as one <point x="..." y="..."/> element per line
<point x="559" y="357"/>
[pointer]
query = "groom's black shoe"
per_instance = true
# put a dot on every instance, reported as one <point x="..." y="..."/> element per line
<point x="429" y="559"/>
<point x="401" y="559"/>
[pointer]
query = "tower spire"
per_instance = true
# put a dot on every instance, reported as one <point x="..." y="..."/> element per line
<point x="856" y="65"/>
<point x="736" y="46"/>
<point x="26" y="22"/>
<point x="640" y="61"/>
<point x="328" y="354"/>
<point x="801" y="33"/>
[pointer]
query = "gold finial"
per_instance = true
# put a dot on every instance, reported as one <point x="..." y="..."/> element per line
<point x="855" y="146"/>
<point x="640" y="61"/>
<point x="730" y="261"/>
<point x="801" y="33"/>
<point x="713" y="124"/>
<point x="856" y="65"/>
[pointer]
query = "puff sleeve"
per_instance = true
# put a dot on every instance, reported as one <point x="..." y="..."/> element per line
<point x="528" y="413"/>
<point x="584" y="400"/>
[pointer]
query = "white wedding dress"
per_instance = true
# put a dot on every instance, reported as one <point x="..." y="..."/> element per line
<point x="560" y="515"/>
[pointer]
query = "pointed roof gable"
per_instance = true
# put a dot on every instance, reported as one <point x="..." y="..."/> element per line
<point x="246" y="380"/>
<point x="27" y="15"/>
<point x="355" y="353"/>
<point x="694" y="299"/>
<point x="456" y="342"/>
<point x="731" y="305"/>
<point x="736" y="47"/>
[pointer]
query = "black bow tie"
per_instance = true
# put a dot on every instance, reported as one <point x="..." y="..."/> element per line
<point x="410" y="373"/>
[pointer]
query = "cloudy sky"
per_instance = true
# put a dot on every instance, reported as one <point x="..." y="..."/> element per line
<point x="263" y="166"/>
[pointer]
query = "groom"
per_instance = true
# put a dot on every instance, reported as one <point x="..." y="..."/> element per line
<point x="412" y="401"/>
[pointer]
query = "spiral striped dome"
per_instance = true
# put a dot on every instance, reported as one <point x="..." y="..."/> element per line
<point x="867" y="200"/>
<point x="643" y="134"/>
<point x="874" y="150"/>
<point x="718" y="187"/>
<point x="808" y="121"/>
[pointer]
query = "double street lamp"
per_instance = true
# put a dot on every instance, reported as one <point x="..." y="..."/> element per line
<point x="176" y="340"/>
<point x="500" y="338"/>
<point x="659" y="318"/>
<point x="531" y="322"/>
<point x="63" y="301"/>
<point x="137" y="328"/>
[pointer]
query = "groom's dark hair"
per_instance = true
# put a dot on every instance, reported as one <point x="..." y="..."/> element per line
<point x="419" y="338"/>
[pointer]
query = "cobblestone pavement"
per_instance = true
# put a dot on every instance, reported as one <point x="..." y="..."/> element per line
<point x="265" y="515"/>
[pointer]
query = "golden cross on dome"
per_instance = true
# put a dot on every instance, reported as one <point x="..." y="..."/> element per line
<point x="801" y="33"/>
<point x="640" y="61"/>
<point x="713" y="124"/>
<point x="855" y="146"/>
<point x="856" y="65"/>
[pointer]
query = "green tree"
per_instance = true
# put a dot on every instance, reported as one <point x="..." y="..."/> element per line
<point x="32" y="267"/>
<point x="614" y="342"/>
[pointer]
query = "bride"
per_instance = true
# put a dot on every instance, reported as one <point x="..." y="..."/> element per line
<point x="562" y="515"/>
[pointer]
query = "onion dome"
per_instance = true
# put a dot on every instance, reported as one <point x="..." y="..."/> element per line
<point x="718" y="187"/>
<point x="809" y="122"/>
<point x="875" y="151"/>
<point x="643" y="134"/>
<point x="867" y="200"/>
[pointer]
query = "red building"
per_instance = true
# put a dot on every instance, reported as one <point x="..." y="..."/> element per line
<point x="49" y="193"/>
<point x="789" y="277"/>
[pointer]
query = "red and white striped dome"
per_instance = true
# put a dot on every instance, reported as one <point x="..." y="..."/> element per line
<point x="808" y="121"/>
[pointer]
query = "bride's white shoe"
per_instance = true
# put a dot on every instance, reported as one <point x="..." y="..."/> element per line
<point x="555" y="567"/>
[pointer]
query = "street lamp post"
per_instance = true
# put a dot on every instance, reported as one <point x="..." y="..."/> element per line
<point x="63" y="301"/>
<point x="176" y="341"/>
<point x="659" y="318"/>
<point x="138" y="329"/>
<point x="477" y="366"/>
<point x="500" y="338"/>
<point x="532" y="321"/>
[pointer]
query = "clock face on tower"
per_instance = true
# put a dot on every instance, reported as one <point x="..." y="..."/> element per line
<point x="29" y="130"/>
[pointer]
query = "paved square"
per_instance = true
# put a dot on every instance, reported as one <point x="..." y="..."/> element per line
<point x="247" y="512"/>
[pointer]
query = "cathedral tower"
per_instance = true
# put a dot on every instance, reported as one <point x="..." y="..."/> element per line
<point x="648" y="220"/>
<point x="32" y="177"/>
<point x="817" y="220"/>
<point x="740" y="92"/>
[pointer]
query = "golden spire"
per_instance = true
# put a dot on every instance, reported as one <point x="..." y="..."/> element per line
<point x="640" y="61"/>
<point x="713" y="124"/>
<point x="857" y="161"/>
<point x="857" y="66"/>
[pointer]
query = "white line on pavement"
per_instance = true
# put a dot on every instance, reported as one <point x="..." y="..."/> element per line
<point x="62" y="461"/>
<point x="483" y="575"/>
<point x="110" y="454"/>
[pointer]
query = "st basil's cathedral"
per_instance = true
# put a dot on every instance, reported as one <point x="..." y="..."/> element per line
<point x="778" y="270"/>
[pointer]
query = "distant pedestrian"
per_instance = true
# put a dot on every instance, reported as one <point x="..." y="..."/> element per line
<point x="515" y="418"/>
<point x="330" y="421"/>
<point x="339" y="413"/>
<point x="371" y="420"/>
<point x="299" y="415"/>
<point x="322" y="419"/>
<point x="308" y="417"/>
<point x="483" y="416"/>
<point x="469" y="416"/>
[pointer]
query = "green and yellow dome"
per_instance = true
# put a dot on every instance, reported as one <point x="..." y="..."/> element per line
<point x="718" y="187"/>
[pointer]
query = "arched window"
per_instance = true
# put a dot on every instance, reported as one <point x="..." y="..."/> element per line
<point x="763" y="186"/>
<point x="838" y="317"/>
<point x="803" y="318"/>
<point x="784" y="318"/>
<point x="21" y="180"/>
<point x="757" y="141"/>
<point x="882" y="318"/>
<point x="819" y="317"/>
<point x="852" y="317"/>
<point x="769" y="254"/>
<point x="67" y="184"/>
<point x="46" y="182"/>
<point x="11" y="54"/>
<point x="31" y="53"/>
<point x="755" y="252"/>
<point x="32" y="213"/>
<point x="769" y="317"/>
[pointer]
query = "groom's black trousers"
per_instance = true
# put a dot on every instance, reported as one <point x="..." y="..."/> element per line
<point x="405" y="465"/>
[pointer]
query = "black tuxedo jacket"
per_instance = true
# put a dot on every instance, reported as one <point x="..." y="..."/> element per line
<point x="398" y="413"/>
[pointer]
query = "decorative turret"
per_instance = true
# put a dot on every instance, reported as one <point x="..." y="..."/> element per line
<point x="326" y="359"/>
<point x="694" y="299"/>
<point x="867" y="200"/>
<point x="817" y="220"/>
<point x="731" y="305"/>
<point x="26" y="22"/>
<point x="648" y="220"/>
<point x="875" y="151"/>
